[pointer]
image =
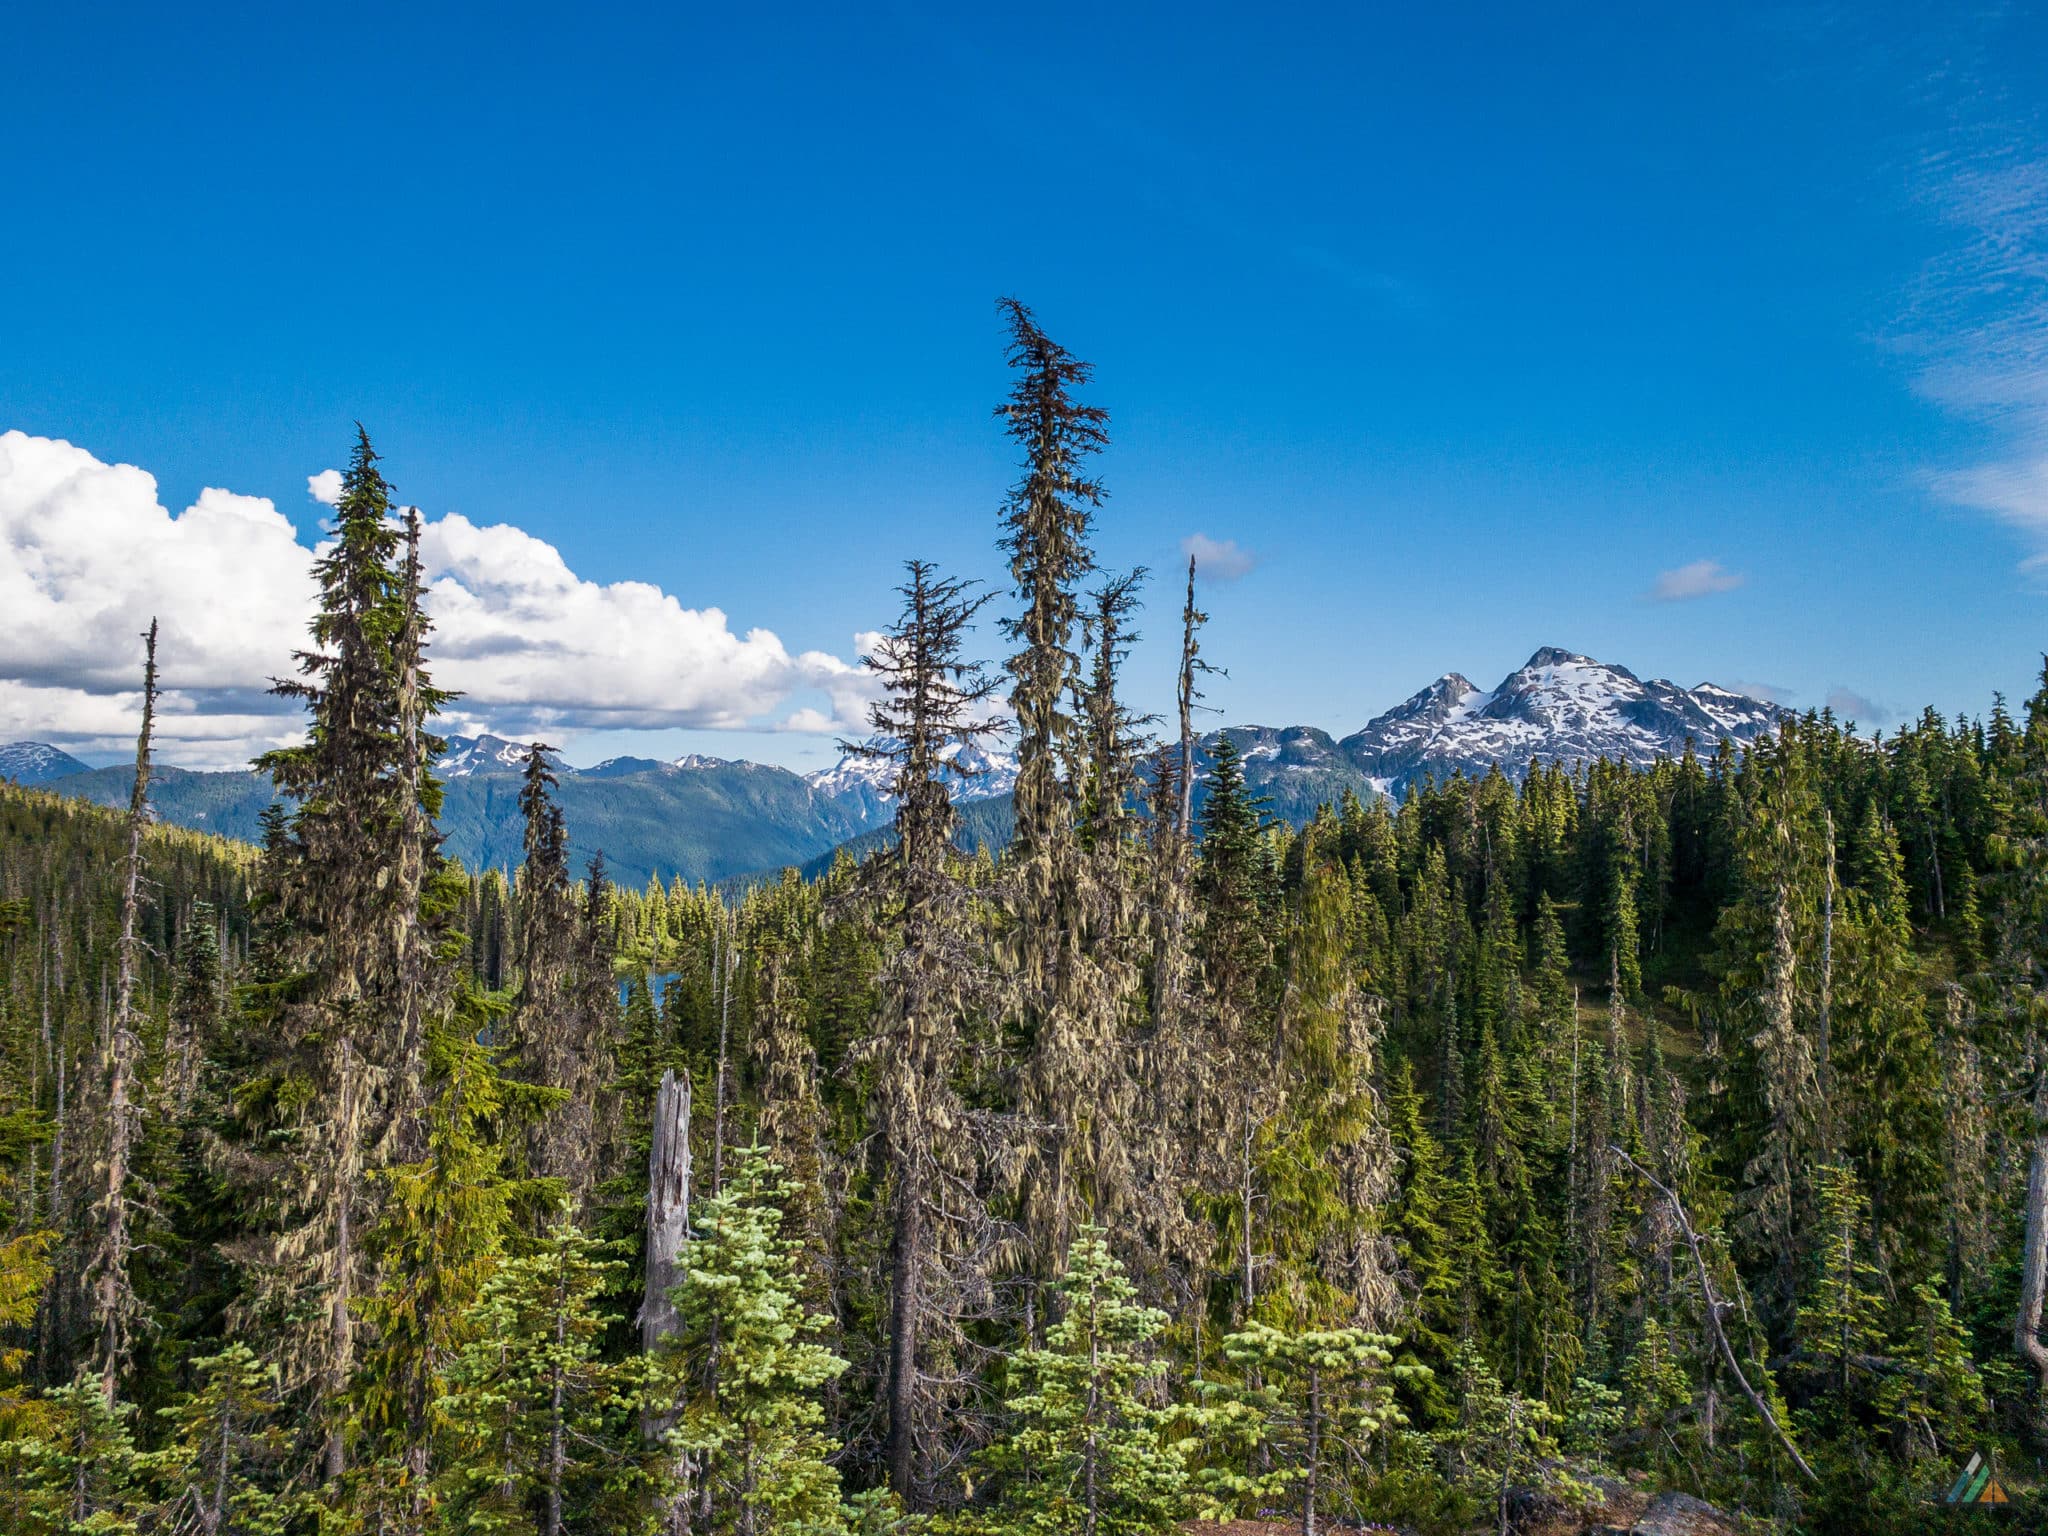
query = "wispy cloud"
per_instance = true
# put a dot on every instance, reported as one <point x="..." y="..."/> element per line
<point x="1975" y="323"/>
<point x="1700" y="578"/>
<point x="1851" y="705"/>
<point x="1218" y="559"/>
<point x="1768" y="693"/>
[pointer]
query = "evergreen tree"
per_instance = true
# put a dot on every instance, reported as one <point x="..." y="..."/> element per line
<point x="1326" y="1162"/>
<point x="1428" y="1261"/>
<point x="222" y="1471"/>
<point x="1086" y="1451"/>
<point x="1234" y="881"/>
<point x="931" y="708"/>
<point x="349" y="885"/>
<point x="1656" y="1388"/>
<point x="77" y="1474"/>
<point x="538" y="1409"/>
<point x="443" y="1225"/>
<point x="1935" y="1403"/>
<point x="1067" y="933"/>
<point x="552" y="1031"/>
<point x="1500" y="1441"/>
<point x="196" y="1005"/>
<point x="1324" y="1395"/>
<point x="752" y="1421"/>
<point x="1840" y="1322"/>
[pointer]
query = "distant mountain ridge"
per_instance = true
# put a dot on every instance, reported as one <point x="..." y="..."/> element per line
<point x="1557" y="707"/>
<point x="706" y="818"/>
<point x="37" y="762"/>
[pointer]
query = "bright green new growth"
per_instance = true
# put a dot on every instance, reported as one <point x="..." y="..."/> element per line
<point x="1085" y="1451"/>
<point x="223" y="1469"/>
<point x="748" y="1368"/>
<point x="543" y="1421"/>
<point x="1319" y="1401"/>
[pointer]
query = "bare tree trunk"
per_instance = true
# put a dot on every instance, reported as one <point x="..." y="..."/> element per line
<point x="217" y="1510"/>
<point x="906" y="1262"/>
<point x="1713" y="1305"/>
<point x="113" y="1288"/>
<point x="2034" y="1250"/>
<point x="668" y="1228"/>
<point x="668" y="1210"/>
<point x="1315" y="1451"/>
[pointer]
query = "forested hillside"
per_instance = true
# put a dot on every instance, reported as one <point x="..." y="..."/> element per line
<point x="1510" y="1151"/>
<point x="702" y="818"/>
<point x="721" y="822"/>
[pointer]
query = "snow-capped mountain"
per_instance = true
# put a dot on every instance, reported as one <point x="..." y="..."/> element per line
<point x="470" y="755"/>
<point x="706" y="818"/>
<point x="976" y="771"/>
<point x="36" y="762"/>
<point x="1558" y="707"/>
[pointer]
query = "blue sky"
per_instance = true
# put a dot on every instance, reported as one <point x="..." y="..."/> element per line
<point x="1466" y="323"/>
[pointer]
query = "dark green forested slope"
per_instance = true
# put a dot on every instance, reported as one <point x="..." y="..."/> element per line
<point x="711" y="823"/>
<point x="1515" y="1148"/>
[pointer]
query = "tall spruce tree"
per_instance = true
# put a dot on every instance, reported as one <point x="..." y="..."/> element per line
<point x="553" y="1034"/>
<point x="1061" y="967"/>
<point x="359" y="938"/>
<point x="932" y="706"/>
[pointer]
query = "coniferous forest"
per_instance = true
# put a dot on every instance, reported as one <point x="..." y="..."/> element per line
<point x="1478" y="1163"/>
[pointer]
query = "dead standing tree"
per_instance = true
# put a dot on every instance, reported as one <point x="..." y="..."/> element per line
<point x="668" y="1229"/>
<point x="110" y="1283"/>
<point x="1714" y="1307"/>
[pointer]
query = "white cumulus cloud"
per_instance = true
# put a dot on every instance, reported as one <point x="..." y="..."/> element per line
<point x="88" y="554"/>
<point x="325" y="487"/>
<point x="1700" y="578"/>
<point x="1218" y="559"/>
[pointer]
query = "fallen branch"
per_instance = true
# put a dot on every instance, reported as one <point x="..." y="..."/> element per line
<point x="1714" y="1306"/>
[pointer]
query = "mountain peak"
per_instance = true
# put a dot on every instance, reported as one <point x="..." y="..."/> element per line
<point x="974" y="771"/>
<point x="1558" y="707"/>
<point x="488" y="754"/>
<point x="37" y="762"/>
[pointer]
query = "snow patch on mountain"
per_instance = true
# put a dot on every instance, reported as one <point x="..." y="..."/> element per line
<point x="37" y="762"/>
<point x="975" y="771"/>
<point x="467" y="755"/>
<point x="1558" y="707"/>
